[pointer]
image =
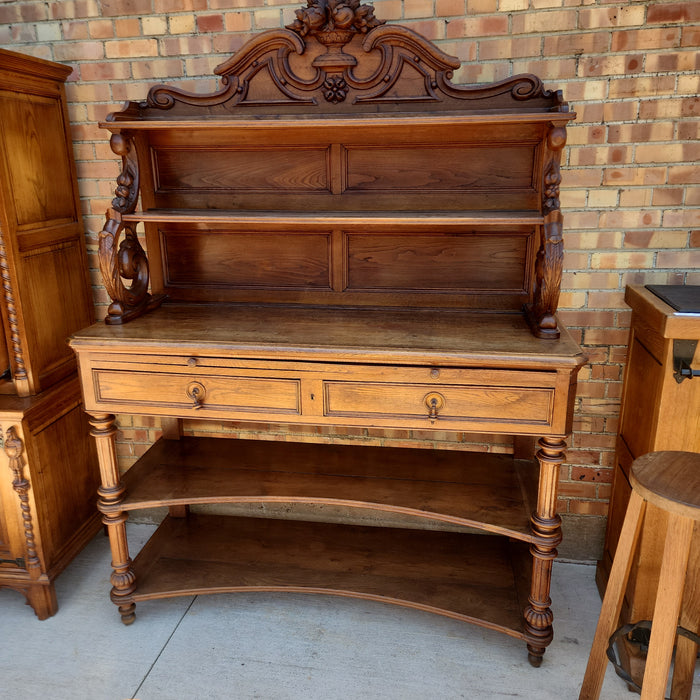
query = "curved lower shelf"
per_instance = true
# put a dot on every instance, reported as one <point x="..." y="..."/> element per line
<point x="466" y="577"/>
<point x="490" y="492"/>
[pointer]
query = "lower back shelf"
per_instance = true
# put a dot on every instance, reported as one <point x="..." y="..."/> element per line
<point x="483" y="579"/>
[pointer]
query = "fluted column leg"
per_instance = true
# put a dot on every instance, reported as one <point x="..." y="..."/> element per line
<point x="111" y="494"/>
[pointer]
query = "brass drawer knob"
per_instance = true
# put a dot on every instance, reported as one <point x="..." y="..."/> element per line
<point x="434" y="403"/>
<point x="196" y="392"/>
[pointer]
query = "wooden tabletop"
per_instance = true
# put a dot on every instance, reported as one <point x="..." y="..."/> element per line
<point x="403" y="336"/>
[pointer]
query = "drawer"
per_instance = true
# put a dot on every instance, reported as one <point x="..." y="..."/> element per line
<point x="201" y="392"/>
<point x="446" y="403"/>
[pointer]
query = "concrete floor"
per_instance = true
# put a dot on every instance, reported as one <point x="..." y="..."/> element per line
<point x="281" y="646"/>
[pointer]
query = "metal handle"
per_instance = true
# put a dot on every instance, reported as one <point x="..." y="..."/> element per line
<point x="434" y="402"/>
<point x="196" y="392"/>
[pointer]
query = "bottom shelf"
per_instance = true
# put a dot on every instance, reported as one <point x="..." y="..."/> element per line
<point x="482" y="579"/>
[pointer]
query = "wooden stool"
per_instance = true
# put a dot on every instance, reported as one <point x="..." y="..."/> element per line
<point x="670" y="481"/>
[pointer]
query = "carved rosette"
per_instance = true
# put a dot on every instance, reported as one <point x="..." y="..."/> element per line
<point x="124" y="258"/>
<point x="14" y="449"/>
<point x="550" y="257"/>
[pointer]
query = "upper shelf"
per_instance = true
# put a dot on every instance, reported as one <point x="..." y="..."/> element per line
<point x="393" y="219"/>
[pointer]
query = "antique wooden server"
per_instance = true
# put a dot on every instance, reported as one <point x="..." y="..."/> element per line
<point x="339" y="236"/>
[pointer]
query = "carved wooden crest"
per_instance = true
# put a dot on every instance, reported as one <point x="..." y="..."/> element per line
<point x="338" y="57"/>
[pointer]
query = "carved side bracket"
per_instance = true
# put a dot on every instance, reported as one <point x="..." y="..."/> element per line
<point x="125" y="259"/>
<point x="14" y="449"/>
<point x="550" y="257"/>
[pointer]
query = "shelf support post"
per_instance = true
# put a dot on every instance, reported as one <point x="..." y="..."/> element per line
<point x="546" y="526"/>
<point x="110" y="496"/>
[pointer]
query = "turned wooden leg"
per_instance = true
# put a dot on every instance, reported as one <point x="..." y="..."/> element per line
<point x="111" y="493"/>
<point x="614" y="595"/>
<point x="667" y="607"/>
<point x="686" y="650"/>
<point x="546" y="525"/>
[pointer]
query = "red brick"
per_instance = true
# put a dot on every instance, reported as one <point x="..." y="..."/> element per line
<point x="668" y="196"/>
<point x="669" y="108"/>
<point x="641" y="133"/>
<point x="690" y="36"/>
<point x="161" y="7"/>
<point x="450" y="8"/>
<point x="104" y="71"/>
<point x="605" y="336"/>
<point x="684" y="175"/>
<point x="606" y="300"/>
<point x="602" y="17"/>
<point x="119" y="8"/>
<point x="79" y="51"/>
<point x="10" y="13"/>
<point x="127" y="28"/>
<point x="73" y="9"/>
<point x="33" y="12"/>
<point x="645" y="39"/>
<point x="210" y="23"/>
<point x="579" y="43"/>
<point x="672" y="62"/>
<point x="679" y="259"/>
<point x="673" y="12"/>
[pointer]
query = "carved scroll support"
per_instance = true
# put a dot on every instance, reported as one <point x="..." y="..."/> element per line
<point x="546" y="526"/>
<point x="110" y="496"/>
<point x="14" y="449"/>
<point x="550" y="257"/>
<point x="124" y="259"/>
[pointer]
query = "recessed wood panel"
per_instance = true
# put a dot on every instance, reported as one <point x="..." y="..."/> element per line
<point x="453" y="167"/>
<point x="491" y="261"/>
<point x="286" y="169"/>
<point x="279" y="260"/>
<point x="54" y="305"/>
<point x="643" y="384"/>
<point x="37" y="158"/>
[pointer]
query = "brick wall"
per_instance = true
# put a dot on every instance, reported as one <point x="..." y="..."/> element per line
<point x="631" y="189"/>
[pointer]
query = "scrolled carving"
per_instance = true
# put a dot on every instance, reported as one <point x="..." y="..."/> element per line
<point x="120" y="260"/>
<point x="527" y="87"/>
<point x="550" y="257"/>
<point x="14" y="449"/>
<point x="127" y="191"/>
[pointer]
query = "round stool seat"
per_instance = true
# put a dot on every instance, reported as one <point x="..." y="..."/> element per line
<point x="670" y="480"/>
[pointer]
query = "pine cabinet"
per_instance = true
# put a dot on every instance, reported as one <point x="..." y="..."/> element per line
<point x="48" y="467"/>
